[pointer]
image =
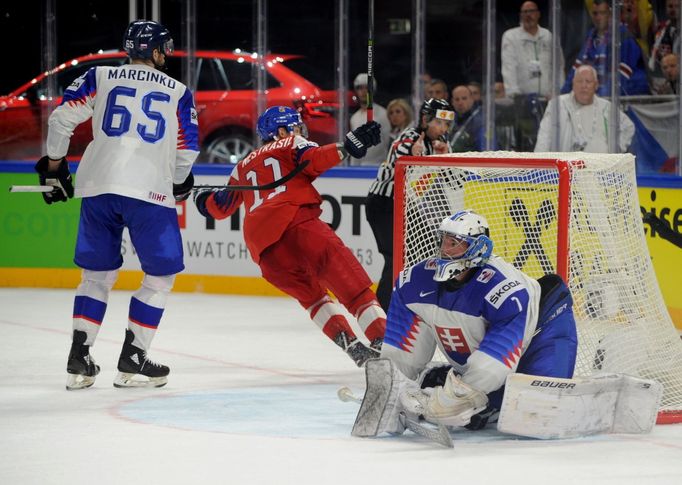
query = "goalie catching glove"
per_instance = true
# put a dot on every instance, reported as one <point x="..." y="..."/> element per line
<point x="60" y="179"/>
<point x="361" y="138"/>
<point x="453" y="404"/>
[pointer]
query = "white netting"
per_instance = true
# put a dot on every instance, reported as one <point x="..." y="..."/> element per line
<point x="623" y="324"/>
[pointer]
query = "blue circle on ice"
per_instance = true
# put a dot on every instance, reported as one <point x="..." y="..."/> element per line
<point x="288" y="411"/>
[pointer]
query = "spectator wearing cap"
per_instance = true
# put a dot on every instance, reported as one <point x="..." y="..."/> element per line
<point x="376" y="154"/>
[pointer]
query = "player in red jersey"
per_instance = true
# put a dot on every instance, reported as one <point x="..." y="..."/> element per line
<point x="296" y="251"/>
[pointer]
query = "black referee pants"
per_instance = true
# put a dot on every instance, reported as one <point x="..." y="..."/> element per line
<point x="379" y="211"/>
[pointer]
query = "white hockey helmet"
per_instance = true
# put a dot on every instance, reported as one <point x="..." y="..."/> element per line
<point x="466" y="226"/>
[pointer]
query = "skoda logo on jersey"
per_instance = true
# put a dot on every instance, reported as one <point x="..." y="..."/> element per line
<point x="500" y="292"/>
<point x="486" y="275"/>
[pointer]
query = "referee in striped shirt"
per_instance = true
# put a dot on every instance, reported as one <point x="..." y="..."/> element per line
<point x="428" y="138"/>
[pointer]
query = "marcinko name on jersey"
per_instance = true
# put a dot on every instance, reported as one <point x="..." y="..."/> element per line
<point x="142" y="75"/>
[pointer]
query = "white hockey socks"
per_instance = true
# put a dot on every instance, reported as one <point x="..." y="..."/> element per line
<point x="146" y="308"/>
<point x="372" y="320"/>
<point x="328" y="315"/>
<point x="90" y="303"/>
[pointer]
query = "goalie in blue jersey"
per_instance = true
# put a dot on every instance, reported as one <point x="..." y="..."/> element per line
<point x="488" y="318"/>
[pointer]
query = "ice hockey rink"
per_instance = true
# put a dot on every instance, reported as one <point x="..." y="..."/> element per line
<point x="251" y="399"/>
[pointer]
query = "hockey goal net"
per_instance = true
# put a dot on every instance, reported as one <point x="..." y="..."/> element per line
<point x="575" y="214"/>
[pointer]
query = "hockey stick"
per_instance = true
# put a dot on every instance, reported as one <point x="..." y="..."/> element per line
<point x="440" y="435"/>
<point x="370" y="62"/>
<point x="272" y="185"/>
<point x="31" y="188"/>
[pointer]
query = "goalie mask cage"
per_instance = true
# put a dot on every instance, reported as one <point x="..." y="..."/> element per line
<point x="575" y="214"/>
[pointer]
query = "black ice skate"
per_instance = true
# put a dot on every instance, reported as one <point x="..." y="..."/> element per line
<point x="355" y="349"/>
<point x="81" y="367"/>
<point x="136" y="370"/>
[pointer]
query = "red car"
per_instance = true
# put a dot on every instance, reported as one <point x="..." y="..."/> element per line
<point x="225" y="99"/>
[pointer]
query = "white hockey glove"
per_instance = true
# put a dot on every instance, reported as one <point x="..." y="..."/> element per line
<point x="454" y="403"/>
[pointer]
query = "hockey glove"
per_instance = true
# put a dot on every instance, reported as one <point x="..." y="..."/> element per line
<point x="361" y="138"/>
<point x="59" y="179"/>
<point x="200" y="198"/>
<point x="455" y="403"/>
<point x="182" y="191"/>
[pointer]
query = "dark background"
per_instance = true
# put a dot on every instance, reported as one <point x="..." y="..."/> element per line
<point x="453" y="42"/>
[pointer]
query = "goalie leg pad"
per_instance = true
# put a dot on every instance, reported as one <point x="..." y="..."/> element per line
<point x="549" y="407"/>
<point x="380" y="409"/>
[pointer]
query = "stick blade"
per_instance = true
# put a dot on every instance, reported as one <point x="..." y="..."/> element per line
<point x="31" y="188"/>
<point x="439" y="435"/>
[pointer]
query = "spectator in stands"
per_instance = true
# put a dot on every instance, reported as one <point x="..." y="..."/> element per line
<point x="376" y="154"/>
<point x="638" y="17"/>
<point x="500" y="92"/>
<point x="527" y="73"/>
<point x="584" y="119"/>
<point x="475" y="88"/>
<point x="399" y="116"/>
<point x="671" y="71"/>
<point x="437" y="89"/>
<point x="666" y="41"/>
<point x="596" y="52"/>
<point x="527" y="55"/>
<point x="467" y="134"/>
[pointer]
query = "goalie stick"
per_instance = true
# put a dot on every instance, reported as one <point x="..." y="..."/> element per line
<point x="439" y="435"/>
<point x="272" y="185"/>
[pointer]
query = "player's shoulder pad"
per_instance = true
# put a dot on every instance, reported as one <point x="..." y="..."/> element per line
<point x="417" y="271"/>
<point x="87" y="76"/>
<point x="301" y="142"/>
<point x="500" y="287"/>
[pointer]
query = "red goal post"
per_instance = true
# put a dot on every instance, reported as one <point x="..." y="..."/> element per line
<point x="574" y="214"/>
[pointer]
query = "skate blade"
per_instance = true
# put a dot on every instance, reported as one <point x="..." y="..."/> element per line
<point x="124" y="379"/>
<point x="78" y="381"/>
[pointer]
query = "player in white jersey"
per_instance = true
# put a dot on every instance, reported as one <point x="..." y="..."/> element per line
<point x="488" y="318"/>
<point x="145" y="140"/>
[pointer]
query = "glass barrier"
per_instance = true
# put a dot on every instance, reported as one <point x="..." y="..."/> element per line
<point x="549" y="75"/>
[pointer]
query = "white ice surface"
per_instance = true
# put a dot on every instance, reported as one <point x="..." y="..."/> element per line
<point x="251" y="399"/>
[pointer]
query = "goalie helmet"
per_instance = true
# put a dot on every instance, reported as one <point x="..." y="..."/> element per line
<point x="276" y="117"/>
<point x="143" y="36"/>
<point x="437" y="108"/>
<point x="465" y="227"/>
